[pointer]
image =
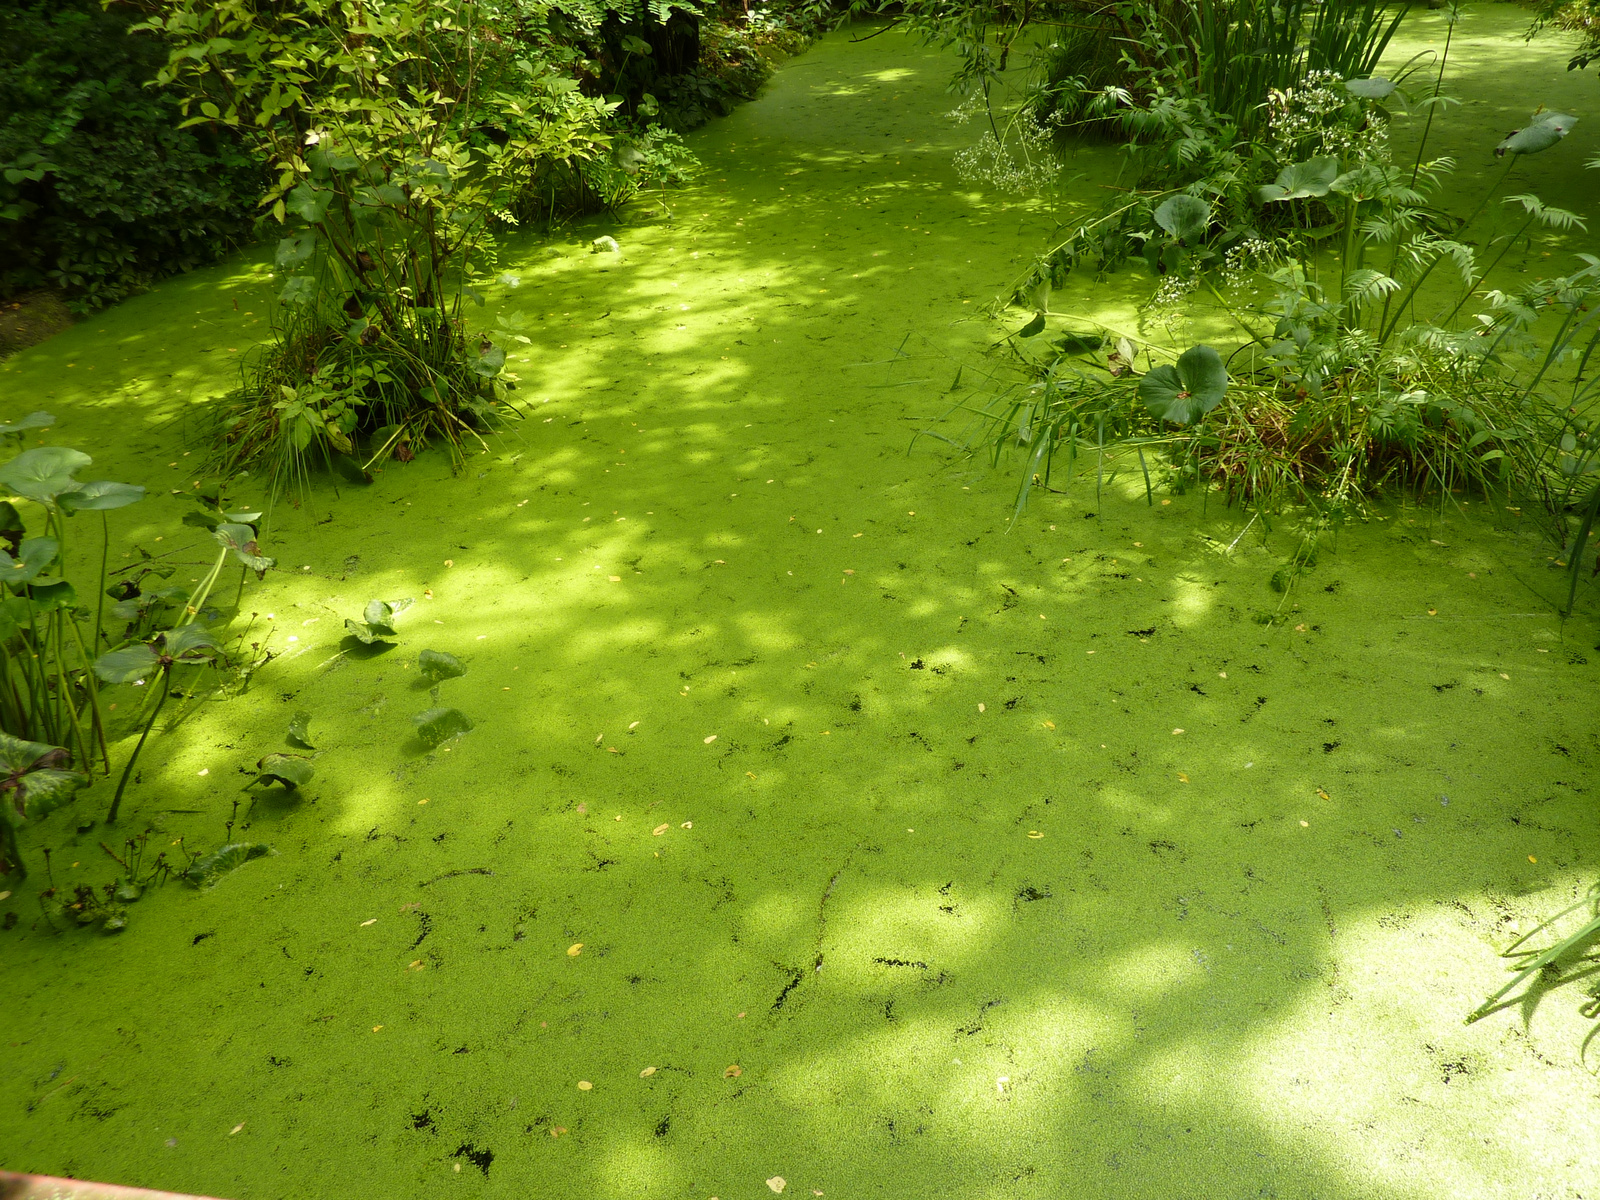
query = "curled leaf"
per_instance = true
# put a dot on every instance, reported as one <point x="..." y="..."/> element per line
<point x="288" y="769"/>
<point x="208" y="869"/>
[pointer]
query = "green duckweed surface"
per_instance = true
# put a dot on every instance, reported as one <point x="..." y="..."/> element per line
<point x="816" y="829"/>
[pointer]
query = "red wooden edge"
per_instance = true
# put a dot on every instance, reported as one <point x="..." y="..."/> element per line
<point x="47" y="1187"/>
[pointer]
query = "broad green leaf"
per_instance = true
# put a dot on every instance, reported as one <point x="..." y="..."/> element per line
<point x="300" y="729"/>
<point x="17" y="756"/>
<point x="127" y="665"/>
<point x="208" y="869"/>
<point x="1375" y="88"/>
<point x="47" y="596"/>
<point x="301" y="289"/>
<point x="490" y="363"/>
<point x="1542" y="132"/>
<point x="1184" y="217"/>
<point x="33" y="556"/>
<point x="38" y="420"/>
<point x="378" y="623"/>
<point x="1188" y="391"/>
<point x="309" y="203"/>
<point x="440" y="724"/>
<point x="49" y="789"/>
<point x="190" y="643"/>
<point x="295" y="249"/>
<point x="135" y="607"/>
<point x="241" y="539"/>
<point x="1314" y="177"/>
<point x="1033" y="328"/>
<point x="436" y="664"/>
<point x="288" y="769"/>
<point x="43" y="473"/>
<point x="100" y="496"/>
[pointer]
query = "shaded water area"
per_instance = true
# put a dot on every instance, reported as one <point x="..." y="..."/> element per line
<point x="815" y="827"/>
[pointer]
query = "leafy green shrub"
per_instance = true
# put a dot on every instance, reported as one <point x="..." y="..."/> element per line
<point x="403" y="132"/>
<point x="100" y="191"/>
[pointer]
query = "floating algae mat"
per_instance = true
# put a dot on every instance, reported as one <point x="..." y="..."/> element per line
<point x="814" y="833"/>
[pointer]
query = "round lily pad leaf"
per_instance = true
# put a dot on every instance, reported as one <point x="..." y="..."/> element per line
<point x="288" y="769"/>
<point x="37" y="420"/>
<point x="1374" y="88"/>
<point x="43" y="473"/>
<point x="1301" y="181"/>
<point x="1186" y="392"/>
<point x="436" y="664"/>
<point x="99" y="496"/>
<point x="1185" y="217"/>
<point x="438" y="725"/>
<point x="1544" y="131"/>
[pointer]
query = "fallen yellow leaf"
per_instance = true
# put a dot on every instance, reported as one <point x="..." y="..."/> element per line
<point x="1532" y="859"/>
<point x="375" y="1028"/>
<point x="449" y="562"/>
<point x="687" y="825"/>
<point x="981" y="708"/>
<point x="662" y="828"/>
<point x="1049" y="724"/>
<point x="373" y="921"/>
<point x="777" y="1183"/>
<point x="585" y="1086"/>
<point x="1034" y="833"/>
<point x="647" y="1072"/>
<point x="1176" y="732"/>
<point x="236" y="1129"/>
<point x="557" y="1130"/>
<point x="1182" y="778"/>
<point x="733" y="1072"/>
<point x="710" y="739"/>
<point x="1323" y="795"/>
<point x="575" y="949"/>
<point x="614" y="578"/>
<point x="416" y="965"/>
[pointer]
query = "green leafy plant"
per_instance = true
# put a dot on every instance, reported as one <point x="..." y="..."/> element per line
<point x="186" y="646"/>
<point x="290" y="770"/>
<point x="377" y="621"/>
<point x="402" y="132"/>
<point x="35" y="783"/>
<point x="438" y="725"/>
<point x="1553" y="961"/>
<point x="437" y="665"/>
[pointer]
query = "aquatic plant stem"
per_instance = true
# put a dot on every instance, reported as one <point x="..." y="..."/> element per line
<point x="1438" y="84"/>
<point x="127" y="771"/>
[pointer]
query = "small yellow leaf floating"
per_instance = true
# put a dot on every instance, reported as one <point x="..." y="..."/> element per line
<point x="1182" y="778"/>
<point x="557" y="1130"/>
<point x="662" y="828"/>
<point x="687" y="825"/>
<point x="1532" y="859"/>
<point x="981" y="708"/>
<point x="1305" y="824"/>
<point x="733" y="1072"/>
<point x="236" y="1129"/>
<point x="1433" y="612"/>
<point x="416" y="965"/>
<point x="1299" y="628"/>
<point x="1049" y="724"/>
<point x="458" y="1168"/>
<point x="375" y="1028"/>
<point x="373" y="921"/>
<point x="1034" y="833"/>
<point x="1322" y="795"/>
<point x="585" y="1086"/>
<point x="575" y="949"/>
<point x="1176" y="732"/>
<point x="752" y="774"/>
<point x="614" y="578"/>
<point x="449" y="562"/>
<point x="1503" y="675"/>
<point x="647" y="1072"/>
<point x="711" y="739"/>
<point x="777" y="1183"/>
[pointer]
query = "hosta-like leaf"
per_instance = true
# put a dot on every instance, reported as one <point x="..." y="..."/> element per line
<point x="1542" y="132"/>
<point x="32" y="558"/>
<point x="37" y="420"/>
<point x="48" y="789"/>
<point x="309" y="203"/>
<point x="1186" y="392"/>
<point x="287" y="769"/>
<point x="241" y="539"/>
<point x="43" y="473"/>
<point x="1375" y="88"/>
<point x="127" y="665"/>
<point x="1301" y="181"/>
<point x="436" y="664"/>
<point x="1184" y="217"/>
<point x="99" y="496"/>
<point x="209" y="868"/>
<point x="190" y="643"/>
<point x="295" y="249"/>
<point x="490" y="363"/>
<point x="440" y="724"/>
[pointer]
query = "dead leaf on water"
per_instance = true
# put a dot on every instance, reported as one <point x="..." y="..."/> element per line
<point x="1176" y="732"/>
<point x="687" y="825"/>
<point x="416" y="965"/>
<point x="583" y="808"/>
<point x="236" y="1129"/>
<point x="733" y="1072"/>
<point x="1323" y="795"/>
<point x="373" y="921"/>
<point x="1034" y="833"/>
<point x="647" y="1072"/>
<point x="662" y="828"/>
<point x="1182" y="778"/>
<point x="777" y="1183"/>
<point x="449" y="562"/>
<point x="575" y="949"/>
<point x="1049" y="724"/>
<point x="557" y="1130"/>
<point x="585" y="1086"/>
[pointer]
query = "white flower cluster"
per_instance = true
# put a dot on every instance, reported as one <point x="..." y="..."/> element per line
<point x="1174" y="290"/>
<point x="1247" y="258"/>
<point x="1320" y="117"/>
<point x="988" y="161"/>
